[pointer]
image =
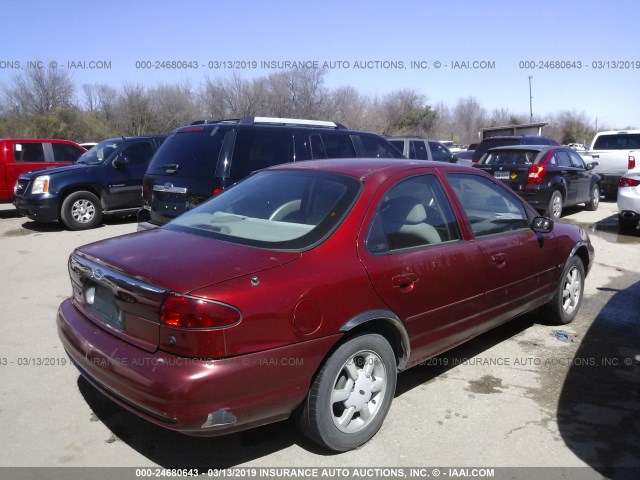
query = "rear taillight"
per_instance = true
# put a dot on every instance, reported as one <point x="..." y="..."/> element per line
<point x="632" y="162"/>
<point x="193" y="312"/>
<point x="628" y="182"/>
<point x="536" y="173"/>
<point x="217" y="191"/>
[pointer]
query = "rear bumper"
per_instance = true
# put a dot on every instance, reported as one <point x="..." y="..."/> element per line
<point x="609" y="184"/>
<point x="40" y="209"/>
<point x="194" y="396"/>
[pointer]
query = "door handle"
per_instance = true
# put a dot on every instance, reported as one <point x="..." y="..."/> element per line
<point x="404" y="282"/>
<point x="499" y="258"/>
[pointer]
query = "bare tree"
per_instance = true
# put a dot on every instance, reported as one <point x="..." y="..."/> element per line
<point x="134" y="115"/>
<point x="171" y="105"/>
<point x="469" y="116"/>
<point x="41" y="91"/>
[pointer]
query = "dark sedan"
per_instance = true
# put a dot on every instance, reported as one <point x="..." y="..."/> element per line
<point x="304" y="290"/>
<point x="549" y="178"/>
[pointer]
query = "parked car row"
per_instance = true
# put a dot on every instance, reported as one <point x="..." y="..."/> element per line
<point x="202" y="159"/>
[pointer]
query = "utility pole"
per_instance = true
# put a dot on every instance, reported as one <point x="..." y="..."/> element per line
<point x="530" y="102"/>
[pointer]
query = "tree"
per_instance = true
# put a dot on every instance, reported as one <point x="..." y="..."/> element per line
<point x="469" y="117"/>
<point x="41" y="91"/>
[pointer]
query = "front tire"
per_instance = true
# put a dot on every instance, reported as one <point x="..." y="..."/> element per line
<point x="351" y="395"/>
<point x="81" y="211"/>
<point x="554" y="209"/>
<point x="594" y="199"/>
<point x="566" y="301"/>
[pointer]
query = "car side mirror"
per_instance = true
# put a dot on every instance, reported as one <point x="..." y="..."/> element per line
<point x="542" y="225"/>
<point x="591" y="165"/>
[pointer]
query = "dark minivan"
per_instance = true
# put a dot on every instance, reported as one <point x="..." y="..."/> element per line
<point x="200" y="160"/>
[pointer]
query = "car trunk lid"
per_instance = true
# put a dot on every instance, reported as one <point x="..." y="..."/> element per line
<point x="121" y="284"/>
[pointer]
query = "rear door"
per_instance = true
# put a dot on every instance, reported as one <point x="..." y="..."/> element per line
<point x="583" y="178"/>
<point x="573" y="177"/>
<point x="184" y="171"/>
<point x="520" y="264"/>
<point x="420" y="266"/>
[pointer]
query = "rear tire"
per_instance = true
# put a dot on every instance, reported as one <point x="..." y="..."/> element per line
<point x="81" y="211"/>
<point x="627" y="224"/>
<point x="554" y="209"/>
<point x="351" y="395"/>
<point x="594" y="199"/>
<point x="566" y="301"/>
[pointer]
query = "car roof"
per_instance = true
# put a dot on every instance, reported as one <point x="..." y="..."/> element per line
<point x="365" y="167"/>
<point x="539" y="148"/>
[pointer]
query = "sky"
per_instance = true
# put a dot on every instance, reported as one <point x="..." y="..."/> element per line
<point x="582" y="56"/>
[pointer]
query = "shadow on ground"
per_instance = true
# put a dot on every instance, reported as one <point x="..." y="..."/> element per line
<point x="599" y="405"/>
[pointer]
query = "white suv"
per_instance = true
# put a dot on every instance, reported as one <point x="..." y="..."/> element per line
<point x="422" y="149"/>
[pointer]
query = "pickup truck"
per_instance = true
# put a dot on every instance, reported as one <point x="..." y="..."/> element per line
<point x="613" y="153"/>
<point x="19" y="155"/>
<point x="105" y="180"/>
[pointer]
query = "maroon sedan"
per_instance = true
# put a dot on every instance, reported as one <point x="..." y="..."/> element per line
<point x="305" y="288"/>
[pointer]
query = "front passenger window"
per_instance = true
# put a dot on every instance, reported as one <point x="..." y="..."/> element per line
<point x="489" y="208"/>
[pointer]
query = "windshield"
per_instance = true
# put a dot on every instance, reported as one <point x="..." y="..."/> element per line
<point x="509" y="157"/>
<point x="99" y="153"/>
<point x="280" y="209"/>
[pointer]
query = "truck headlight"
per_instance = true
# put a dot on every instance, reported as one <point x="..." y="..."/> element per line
<point x="41" y="184"/>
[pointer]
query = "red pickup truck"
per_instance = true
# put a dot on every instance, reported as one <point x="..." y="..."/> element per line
<point x="19" y="155"/>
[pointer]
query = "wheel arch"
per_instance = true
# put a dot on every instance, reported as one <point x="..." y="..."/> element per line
<point x="68" y="190"/>
<point x="385" y="323"/>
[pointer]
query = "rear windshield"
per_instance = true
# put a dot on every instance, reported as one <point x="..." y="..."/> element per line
<point x="510" y="157"/>
<point x="279" y="209"/>
<point x="486" y="144"/>
<point x="618" y="141"/>
<point x="192" y="153"/>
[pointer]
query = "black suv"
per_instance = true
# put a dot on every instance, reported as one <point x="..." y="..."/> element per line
<point x="549" y="178"/>
<point x="105" y="180"/>
<point x="500" y="141"/>
<point x="202" y="159"/>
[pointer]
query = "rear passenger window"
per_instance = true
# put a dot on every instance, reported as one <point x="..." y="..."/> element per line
<point x="257" y="149"/>
<point x="377" y="148"/>
<point x="338" y="146"/>
<point x="413" y="213"/>
<point x="28" y="152"/>
<point x="563" y="159"/>
<point x="64" y="152"/>
<point x="418" y="150"/>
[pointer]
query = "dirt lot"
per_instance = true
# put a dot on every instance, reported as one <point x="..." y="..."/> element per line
<point x="525" y="394"/>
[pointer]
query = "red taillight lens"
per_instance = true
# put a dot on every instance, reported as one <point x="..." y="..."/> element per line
<point x="536" y="173"/>
<point x="632" y="162"/>
<point x="193" y="312"/>
<point x="628" y="182"/>
<point x="217" y="191"/>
